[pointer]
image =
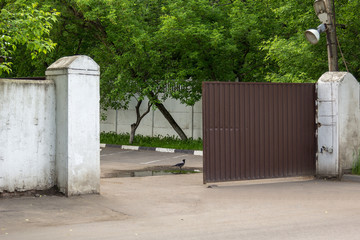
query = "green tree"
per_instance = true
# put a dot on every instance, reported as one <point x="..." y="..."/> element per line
<point x="23" y="23"/>
<point x="129" y="53"/>
<point x="348" y="33"/>
<point x="159" y="49"/>
<point x="292" y="58"/>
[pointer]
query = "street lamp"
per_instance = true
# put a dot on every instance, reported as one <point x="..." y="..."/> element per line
<point x="321" y="11"/>
<point x="325" y="12"/>
<point x="313" y="35"/>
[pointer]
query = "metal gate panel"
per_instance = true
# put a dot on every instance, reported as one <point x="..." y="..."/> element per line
<point x="258" y="130"/>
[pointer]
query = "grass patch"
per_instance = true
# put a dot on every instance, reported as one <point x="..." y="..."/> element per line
<point x="145" y="141"/>
<point x="356" y="168"/>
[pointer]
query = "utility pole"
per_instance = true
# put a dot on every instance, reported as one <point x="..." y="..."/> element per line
<point x="325" y="10"/>
<point x="331" y="38"/>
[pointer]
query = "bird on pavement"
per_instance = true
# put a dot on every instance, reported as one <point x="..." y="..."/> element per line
<point x="180" y="165"/>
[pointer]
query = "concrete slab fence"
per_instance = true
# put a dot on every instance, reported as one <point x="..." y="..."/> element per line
<point x="154" y="123"/>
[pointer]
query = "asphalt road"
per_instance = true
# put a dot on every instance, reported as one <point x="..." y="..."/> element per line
<point x="181" y="207"/>
<point x="116" y="159"/>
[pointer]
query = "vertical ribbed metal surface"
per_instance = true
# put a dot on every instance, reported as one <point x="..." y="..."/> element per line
<point x="258" y="130"/>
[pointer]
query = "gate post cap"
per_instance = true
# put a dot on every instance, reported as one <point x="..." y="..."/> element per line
<point x="334" y="76"/>
<point x="77" y="62"/>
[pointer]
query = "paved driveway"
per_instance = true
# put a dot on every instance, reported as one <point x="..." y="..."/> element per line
<point x="181" y="207"/>
<point x="116" y="159"/>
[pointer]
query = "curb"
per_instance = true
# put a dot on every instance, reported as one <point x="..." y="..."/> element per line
<point x="350" y="178"/>
<point x="157" y="149"/>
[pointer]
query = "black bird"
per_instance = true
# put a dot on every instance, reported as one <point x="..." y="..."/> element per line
<point x="180" y="165"/>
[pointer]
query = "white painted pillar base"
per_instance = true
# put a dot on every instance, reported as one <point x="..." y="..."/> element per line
<point x="77" y="124"/>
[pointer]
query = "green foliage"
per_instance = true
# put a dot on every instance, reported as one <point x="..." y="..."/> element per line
<point x="349" y="34"/>
<point x="71" y="34"/>
<point x="165" y="49"/>
<point x="176" y="41"/>
<point x="145" y="141"/>
<point x="356" y="167"/>
<point x="291" y="57"/>
<point x="24" y="23"/>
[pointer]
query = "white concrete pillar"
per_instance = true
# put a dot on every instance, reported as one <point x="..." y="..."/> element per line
<point x="77" y="124"/>
<point x="338" y="120"/>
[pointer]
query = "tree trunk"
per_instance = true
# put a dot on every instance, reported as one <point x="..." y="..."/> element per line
<point x="132" y="132"/>
<point x="171" y="120"/>
<point x="139" y="117"/>
<point x="168" y="116"/>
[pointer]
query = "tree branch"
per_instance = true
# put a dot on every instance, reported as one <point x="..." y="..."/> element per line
<point x="138" y="116"/>
<point x="137" y="109"/>
<point x="216" y="3"/>
<point x="167" y="116"/>
<point x="101" y="33"/>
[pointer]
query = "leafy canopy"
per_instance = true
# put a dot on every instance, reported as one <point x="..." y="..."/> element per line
<point x="169" y="47"/>
<point x="24" y="23"/>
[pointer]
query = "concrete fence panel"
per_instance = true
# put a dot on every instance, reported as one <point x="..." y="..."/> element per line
<point x="27" y="135"/>
<point x="154" y="123"/>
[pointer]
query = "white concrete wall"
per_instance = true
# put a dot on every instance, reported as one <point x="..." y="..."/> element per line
<point x="349" y="122"/>
<point x="27" y="135"/>
<point x="154" y="123"/>
<point x="338" y="121"/>
<point x="49" y="130"/>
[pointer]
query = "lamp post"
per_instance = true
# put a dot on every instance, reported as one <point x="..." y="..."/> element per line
<point x="325" y="11"/>
<point x="331" y="39"/>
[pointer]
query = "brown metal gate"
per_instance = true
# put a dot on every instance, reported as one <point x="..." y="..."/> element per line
<point x="258" y="130"/>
